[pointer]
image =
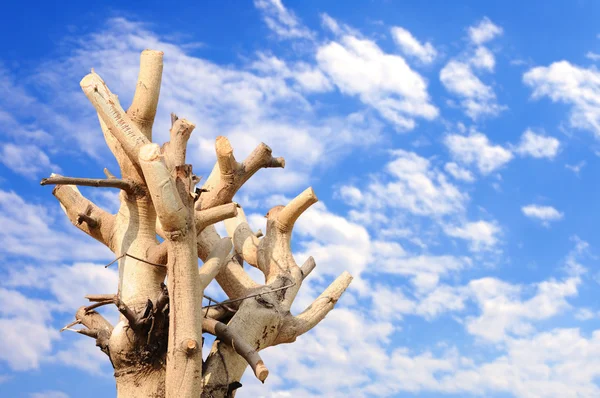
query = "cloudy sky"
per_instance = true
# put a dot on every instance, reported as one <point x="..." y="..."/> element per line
<point x="454" y="147"/>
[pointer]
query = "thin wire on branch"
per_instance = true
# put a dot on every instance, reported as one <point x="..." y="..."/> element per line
<point x="223" y="303"/>
<point x="135" y="258"/>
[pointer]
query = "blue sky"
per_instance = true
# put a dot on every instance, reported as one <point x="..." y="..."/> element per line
<point x="452" y="146"/>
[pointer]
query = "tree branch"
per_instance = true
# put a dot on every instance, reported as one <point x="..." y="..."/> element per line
<point x="74" y="205"/>
<point x="174" y="207"/>
<point x="175" y="149"/>
<point x="145" y="100"/>
<point x="239" y="345"/>
<point x="216" y="260"/>
<point x="307" y="267"/>
<point x="168" y="204"/>
<point x="110" y="112"/>
<point x="232" y="278"/>
<point x="228" y="176"/>
<point x="97" y="325"/>
<point x="290" y="213"/>
<point x="105" y="299"/>
<point x="295" y="326"/>
<point x="207" y="217"/>
<point x="125" y="185"/>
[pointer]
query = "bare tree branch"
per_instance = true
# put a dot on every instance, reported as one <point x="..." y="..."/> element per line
<point x="245" y="242"/>
<point x="175" y="149"/>
<point x="127" y="186"/>
<point x="227" y="336"/>
<point x="228" y="176"/>
<point x="216" y="260"/>
<point x="295" y="326"/>
<point x="74" y="204"/>
<point x="145" y="100"/>
<point x="207" y="217"/>
<point x="117" y="121"/>
<point x="307" y="267"/>
<point x="290" y="213"/>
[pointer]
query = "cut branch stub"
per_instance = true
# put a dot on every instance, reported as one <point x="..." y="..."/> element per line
<point x="228" y="175"/>
<point x="175" y="149"/>
<point x="239" y="345"/>
<point x="118" y="122"/>
<point x="295" y="326"/>
<point x="145" y="100"/>
<point x="290" y="213"/>
<point x="169" y="208"/>
<point x="74" y="204"/>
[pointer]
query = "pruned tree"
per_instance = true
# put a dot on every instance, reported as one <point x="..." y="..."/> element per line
<point x="156" y="346"/>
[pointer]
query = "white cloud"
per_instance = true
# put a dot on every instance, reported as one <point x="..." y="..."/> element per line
<point x="576" y="168"/>
<point x="28" y="160"/>
<point x="282" y="21"/>
<point x="31" y="231"/>
<point x="414" y="185"/>
<point x="83" y="355"/>
<point x="477" y="99"/>
<point x="546" y="214"/>
<point x="24" y="323"/>
<point x="384" y="81"/>
<point x="261" y="101"/>
<point x="538" y="146"/>
<point x="572" y="85"/>
<point x="49" y="394"/>
<point x="310" y="79"/>
<point x="503" y="313"/>
<point x="483" y="58"/>
<point x="585" y="314"/>
<point x="476" y="149"/>
<point x="27" y="323"/>
<point x="458" y="172"/>
<point x="424" y="271"/>
<point x="410" y="46"/>
<point x="485" y="31"/>
<point x="593" y="56"/>
<point x="482" y="235"/>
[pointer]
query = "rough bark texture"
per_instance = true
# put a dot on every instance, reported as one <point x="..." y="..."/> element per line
<point x="155" y="348"/>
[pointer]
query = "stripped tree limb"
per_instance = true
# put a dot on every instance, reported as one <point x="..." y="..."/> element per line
<point x="127" y="186"/>
<point x="245" y="242"/>
<point x="74" y="204"/>
<point x="207" y="217"/>
<point x="108" y="174"/>
<point x="290" y="213"/>
<point x="117" y="121"/>
<point x="145" y="100"/>
<point x="315" y="313"/>
<point x="307" y="267"/>
<point x="102" y="300"/>
<point x="216" y="260"/>
<point x="96" y="324"/>
<point x="174" y="208"/>
<point x="232" y="278"/>
<point x="158" y="253"/>
<point x="227" y="336"/>
<point x="155" y="347"/>
<point x="222" y="185"/>
<point x="175" y="149"/>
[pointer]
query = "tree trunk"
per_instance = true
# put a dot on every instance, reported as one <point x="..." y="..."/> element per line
<point x="156" y="347"/>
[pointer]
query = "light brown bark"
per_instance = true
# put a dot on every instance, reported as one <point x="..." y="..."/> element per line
<point x="156" y="346"/>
